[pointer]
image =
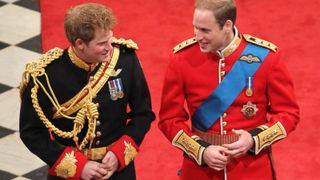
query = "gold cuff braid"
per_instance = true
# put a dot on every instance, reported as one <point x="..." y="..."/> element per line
<point x="67" y="168"/>
<point x="189" y="146"/>
<point x="268" y="136"/>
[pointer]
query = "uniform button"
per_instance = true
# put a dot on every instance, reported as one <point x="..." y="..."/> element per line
<point x="98" y="123"/>
<point x="223" y="73"/>
<point x="97" y="142"/>
<point x="224" y="132"/>
<point x="224" y="115"/>
<point x="98" y="133"/>
<point x="224" y="123"/>
<point x="223" y="65"/>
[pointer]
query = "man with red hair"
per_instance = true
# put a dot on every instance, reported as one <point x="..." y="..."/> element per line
<point x="74" y="110"/>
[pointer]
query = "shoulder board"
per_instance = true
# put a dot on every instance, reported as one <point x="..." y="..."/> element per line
<point x="184" y="44"/>
<point x="128" y="43"/>
<point x="44" y="59"/>
<point x="260" y="42"/>
<point x="36" y="67"/>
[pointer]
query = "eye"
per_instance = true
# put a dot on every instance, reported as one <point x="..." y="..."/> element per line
<point x="204" y="30"/>
<point x="102" y="43"/>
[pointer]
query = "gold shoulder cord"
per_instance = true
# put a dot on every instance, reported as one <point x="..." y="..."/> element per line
<point x="89" y="110"/>
<point x="128" y="43"/>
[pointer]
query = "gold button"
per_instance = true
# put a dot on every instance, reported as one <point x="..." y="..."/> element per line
<point x="98" y="123"/>
<point x="224" y="123"/>
<point x="223" y="73"/>
<point x="223" y="65"/>
<point x="98" y="133"/>
<point x="224" y="132"/>
<point x="97" y="142"/>
<point x="224" y="115"/>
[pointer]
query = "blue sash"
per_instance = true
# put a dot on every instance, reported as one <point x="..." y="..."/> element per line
<point x="229" y="88"/>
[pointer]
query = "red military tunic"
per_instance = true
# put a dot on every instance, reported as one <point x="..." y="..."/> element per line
<point x="192" y="76"/>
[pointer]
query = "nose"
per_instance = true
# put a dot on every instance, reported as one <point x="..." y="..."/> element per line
<point x="198" y="34"/>
<point x="108" y="46"/>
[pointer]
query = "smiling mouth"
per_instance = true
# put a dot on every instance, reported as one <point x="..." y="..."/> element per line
<point x="203" y="44"/>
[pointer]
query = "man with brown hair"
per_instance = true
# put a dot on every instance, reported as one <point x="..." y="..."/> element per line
<point x="240" y="99"/>
<point x="86" y="109"/>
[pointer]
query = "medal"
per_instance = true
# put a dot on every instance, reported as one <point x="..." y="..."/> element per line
<point x="249" y="91"/>
<point x="112" y="90"/>
<point x="115" y="89"/>
<point x="120" y="93"/>
<point x="113" y="95"/>
<point x="249" y="109"/>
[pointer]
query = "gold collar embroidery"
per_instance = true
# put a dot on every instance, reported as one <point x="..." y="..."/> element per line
<point x="233" y="44"/>
<point x="79" y="62"/>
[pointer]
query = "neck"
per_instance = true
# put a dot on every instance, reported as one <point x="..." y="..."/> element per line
<point x="79" y="53"/>
<point x="228" y="40"/>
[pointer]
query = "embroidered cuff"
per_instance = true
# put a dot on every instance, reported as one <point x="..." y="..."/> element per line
<point x="69" y="165"/>
<point x="125" y="149"/>
<point x="264" y="136"/>
<point x="189" y="145"/>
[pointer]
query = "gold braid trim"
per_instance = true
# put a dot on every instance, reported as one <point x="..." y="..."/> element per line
<point x="37" y="67"/>
<point x="128" y="43"/>
<point x="130" y="152"/>
<point x="269" y="136"/>
<point x="189" y="145"/>
<point x="96" y="84"/>
<point x="184" y="44"/>
<point x="88" y="111"/>
<point x="67" y="167"/>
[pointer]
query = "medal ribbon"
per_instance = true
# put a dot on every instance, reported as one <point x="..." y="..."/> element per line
<point x="119" y="84"/>
<point x="229" y="88"/>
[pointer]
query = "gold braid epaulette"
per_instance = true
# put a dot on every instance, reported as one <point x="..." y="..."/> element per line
<point x="89" y="110"/>
<point x="260" y="42"/>
<point x="184" y="44"/>
<point x="36" y="68"/>
<point x="128" y="43"/>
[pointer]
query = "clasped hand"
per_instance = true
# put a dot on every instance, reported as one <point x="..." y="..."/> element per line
<point x="217" y="157"/>
<point x="103" y="170"/>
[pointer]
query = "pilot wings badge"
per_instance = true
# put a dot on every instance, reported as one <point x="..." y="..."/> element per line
<point x="250" y="58"/>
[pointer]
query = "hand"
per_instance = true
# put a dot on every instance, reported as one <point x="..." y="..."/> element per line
<point x="92" y="170"/>
<point x="214" y="157"/>
<point x="110" y="163"/>
<point x="241" y="146"/>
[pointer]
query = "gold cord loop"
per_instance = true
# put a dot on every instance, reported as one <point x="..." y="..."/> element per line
<point x="88" y="112"/>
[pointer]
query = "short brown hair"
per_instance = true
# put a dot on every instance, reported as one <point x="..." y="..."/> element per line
<point x="223" y="10"/>
<point x="83" y="20"/>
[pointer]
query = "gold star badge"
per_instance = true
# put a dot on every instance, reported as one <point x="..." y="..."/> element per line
<point x="249" y="109"/>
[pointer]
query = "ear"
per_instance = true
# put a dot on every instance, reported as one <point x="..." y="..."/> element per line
<point x="228" y="26"/>
<point x="79" y="44"/>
